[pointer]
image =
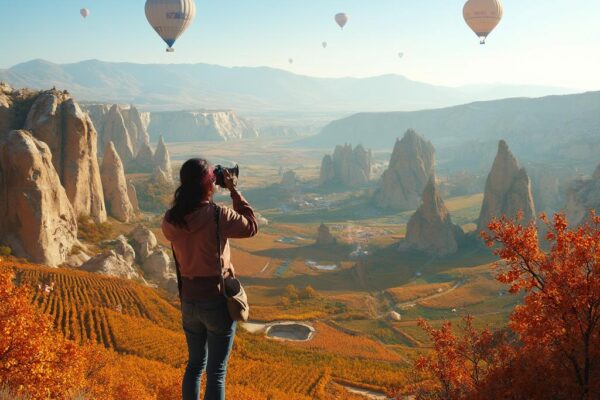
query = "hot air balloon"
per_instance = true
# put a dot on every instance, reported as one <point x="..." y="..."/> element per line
<point x="400" y="55"/>
<point x="341" y="19"/>
<point x="324" y="44"/>
<point x="483" y="16"/>
<point x="170" y="18"/>
<point x="84" y="12"/>
<point x="291" y="60"/>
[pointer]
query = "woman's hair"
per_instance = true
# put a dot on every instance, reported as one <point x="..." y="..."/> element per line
<point x="196" y="178"/>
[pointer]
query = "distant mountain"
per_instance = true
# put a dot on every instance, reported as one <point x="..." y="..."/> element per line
<point x="247" y="89"/>
<point x="552" y="128"/>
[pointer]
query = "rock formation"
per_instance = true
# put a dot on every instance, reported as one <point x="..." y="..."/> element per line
<point x="507" y="190"/>
<point x="430" y="229"/>
<point x="324" y="236"/>
<point x="347" y="166"/>
<point x="290" y="180"/>
<point x="191" y="126"/>
<point x="136" y="128"/>
<point x="37" y="219"/>
<point x="583" y="196"/>
<point x="144" y="242"/>
<point x="159" y="269"/>
<point x="132" y="194"/>
<point x="403" y="181"/>
<point x="110" y="263"/>
<point x="162" y="159"/>
<point x="115" y="186"/>
<point x="144" y="160"/>
<point x="114" y="130"/>
<point x="55" y="118"/>
<point x="160" y="177"/>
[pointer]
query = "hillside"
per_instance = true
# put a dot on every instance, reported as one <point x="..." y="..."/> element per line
<point x="548" y="128"/>
<point x="246" y="89"/>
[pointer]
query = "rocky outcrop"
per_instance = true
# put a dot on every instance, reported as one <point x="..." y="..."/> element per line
<point x="324" y="236"/>
<point x="550" y="185"/>
<point x="583" y="196"/>
<point x="132" y="194"/>
<point x="136" y="128"/>
<point x="37" y="219"/>
<point x="160" y="177"/>
<point x="158" y="268"/>
<point x="162" y="159"/>
<point x="144" y="160"/>
<point x="114" y="130"/>
<point x="289" y="180"/>
<point x="349" y="167"/>
<point x="110" y="263"/>
<point x="109" y="126"/>
<point x="430" y="229"/>
<point x="144" y="242"/>
<point x="410" y="166"/>
<point x="507" y="190"/>
<point x="189" y="126"/>
<point x="56" y="119"/>
<point x="115" y="186"/>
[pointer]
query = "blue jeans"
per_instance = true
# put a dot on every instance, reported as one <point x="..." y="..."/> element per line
<point x="209" y="331"/>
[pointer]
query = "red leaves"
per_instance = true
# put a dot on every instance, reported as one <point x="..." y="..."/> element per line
<point x="556" y="330"/>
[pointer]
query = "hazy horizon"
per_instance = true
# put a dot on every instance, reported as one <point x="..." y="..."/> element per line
<point x="438" y="47"/>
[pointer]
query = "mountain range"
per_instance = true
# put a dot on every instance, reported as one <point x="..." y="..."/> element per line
<point x="171" y="87"/>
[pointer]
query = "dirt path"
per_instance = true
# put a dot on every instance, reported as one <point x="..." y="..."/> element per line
<point x="412" y="303"/>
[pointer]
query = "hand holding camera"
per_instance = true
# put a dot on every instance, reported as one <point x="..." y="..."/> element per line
<point x="226" y="177"/>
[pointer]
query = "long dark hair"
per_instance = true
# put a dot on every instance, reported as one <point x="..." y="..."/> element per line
<point x="196" y="180"/>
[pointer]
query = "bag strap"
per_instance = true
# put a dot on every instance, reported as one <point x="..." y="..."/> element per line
<point x="178" y="272"/>
<point x="217" y="213"/>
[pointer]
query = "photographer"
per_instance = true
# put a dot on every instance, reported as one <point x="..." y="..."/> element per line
<point x="192" y="225"/>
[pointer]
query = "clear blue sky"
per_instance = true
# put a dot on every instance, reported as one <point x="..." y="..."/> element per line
<point x="551" y="42"/>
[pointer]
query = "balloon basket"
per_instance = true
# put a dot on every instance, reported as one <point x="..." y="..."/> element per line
<point x="170" y="50"/>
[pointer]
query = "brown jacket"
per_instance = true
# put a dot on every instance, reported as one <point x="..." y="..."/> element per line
<point x="196" y="245"/>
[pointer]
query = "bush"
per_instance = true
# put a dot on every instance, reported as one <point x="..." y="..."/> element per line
<point x="92" y="232"/>
<point x="153" y="197"/>
<point x="5" y="251"/>
<point x="308" y="293"/>
<point x="291" y="292"/>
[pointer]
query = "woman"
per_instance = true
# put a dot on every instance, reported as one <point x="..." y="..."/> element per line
<point x="191" y="227"/>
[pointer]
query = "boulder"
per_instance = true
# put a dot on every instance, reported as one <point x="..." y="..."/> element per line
<point x="348" y="167"/>
<point x="122" y="248"/>
<point x="507" y="190"/>
<point x="115" y="186"/>
<point x="144" y="242"/>
<point x="410" y="166"/>
<point x="111" y="263"/>
<point x="583" y="196"/>
<point x="430" y="229"/>
<point x="324" y="236"/>
<point x="162" y="159"/>
<point x="158" y="268"/>
<point x="37" y="219"/>
<point x="56" y="119"/>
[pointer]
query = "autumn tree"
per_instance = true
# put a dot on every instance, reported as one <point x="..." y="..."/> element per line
<point x="34" y="359"/>
<point x="552" y="347"/>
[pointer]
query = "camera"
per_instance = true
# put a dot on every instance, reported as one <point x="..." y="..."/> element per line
<point x="220" y="178"/>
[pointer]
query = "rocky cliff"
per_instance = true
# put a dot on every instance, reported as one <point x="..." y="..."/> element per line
<point x="56" y="119"/>
<point x="410" y="166"/>
<point x="583" y="196"/>
<point x="162" y="159"/>
<point x="507" y="190"/>
<point x="430" y="229"/>
<point x="188" y="126"/>
<point x="349" y="167"/>
<point x="115" y="186"/>
<point x="38" y="221"/>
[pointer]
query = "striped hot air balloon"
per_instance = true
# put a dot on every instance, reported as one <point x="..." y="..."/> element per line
<point x="170" y="18"/>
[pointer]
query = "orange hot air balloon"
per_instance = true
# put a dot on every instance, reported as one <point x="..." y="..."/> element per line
<point x="483" y="16"/>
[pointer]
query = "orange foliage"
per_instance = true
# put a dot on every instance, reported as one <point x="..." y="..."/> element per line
<point x="553" y="347"/>
<point x="34" y="360"/>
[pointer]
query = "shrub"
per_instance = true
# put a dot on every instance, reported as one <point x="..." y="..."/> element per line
<point x="5" y="251"/>
<point x="92" y="232"/>
<point x="308" y="293"/>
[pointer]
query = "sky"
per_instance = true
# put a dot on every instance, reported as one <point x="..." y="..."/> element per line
<point x="544" y="42"/>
